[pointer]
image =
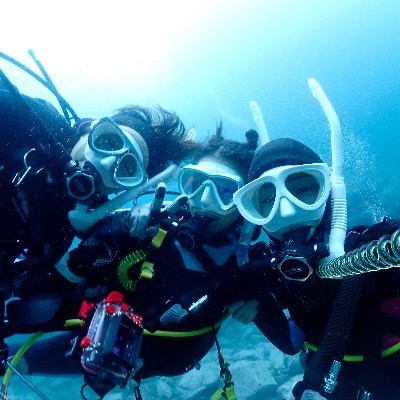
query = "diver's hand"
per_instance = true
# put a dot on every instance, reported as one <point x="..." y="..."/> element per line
<point x="139" y="222"/>
<point x="244" y="311"/>
<point x="145" y="218"/>
<point x="312" y="395"/>
<point x="302" y="391"/>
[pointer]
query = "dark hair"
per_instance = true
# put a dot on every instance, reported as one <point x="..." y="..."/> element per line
<point x="231" y="151"/>
<point x="163" y="131"/>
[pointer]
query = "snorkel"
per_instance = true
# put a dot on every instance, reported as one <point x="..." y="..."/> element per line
<point x="338" y="189"/>
<point x="259" y="121"/>
<point x="247" y="230"/>
<point x="82" y="218"/>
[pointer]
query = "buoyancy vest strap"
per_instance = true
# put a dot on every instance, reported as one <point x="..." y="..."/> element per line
<point x="147" y="269"/>
<point x="333" y="342"/>
<point x="358" y="357"/>
<point x="178" y="334"/>
<point x="158" y="240"/>
<point x="228" y="391"/>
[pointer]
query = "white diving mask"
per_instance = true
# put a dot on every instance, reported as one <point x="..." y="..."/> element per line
<point x="115" y="154"/>
<point x="286" y="197"/>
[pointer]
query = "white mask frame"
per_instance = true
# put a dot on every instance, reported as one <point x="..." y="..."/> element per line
<point x="247" y="198"/>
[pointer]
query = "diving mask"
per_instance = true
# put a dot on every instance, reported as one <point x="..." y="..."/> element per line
<point x="116" y="155"/>
<point x="286" y="197"/>
<point x="208" y="179"/>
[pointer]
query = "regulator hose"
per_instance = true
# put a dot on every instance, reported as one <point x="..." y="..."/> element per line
<point x="383" y="253"/>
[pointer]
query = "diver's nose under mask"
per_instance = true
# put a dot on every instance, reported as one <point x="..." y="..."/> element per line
<point x="209" y="190"/>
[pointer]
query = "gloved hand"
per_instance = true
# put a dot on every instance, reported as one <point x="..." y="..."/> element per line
<point x="139" y="222"/>
<point x="363" y="234"/>
<point x="244" y="311"/>
<point x="301" y="391"/>
<point x="145" y="218"/>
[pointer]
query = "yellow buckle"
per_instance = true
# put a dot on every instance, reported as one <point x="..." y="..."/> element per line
<point x="158" y="239"/>
<point x="147" y="270"/>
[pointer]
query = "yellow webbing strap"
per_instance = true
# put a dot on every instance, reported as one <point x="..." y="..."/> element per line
<point x="147" y="269"/>
<point x="187" y="333"/>
<point x="226" y="393"/>
<point x="159" y="238"/>
<point x="358" y="357"/>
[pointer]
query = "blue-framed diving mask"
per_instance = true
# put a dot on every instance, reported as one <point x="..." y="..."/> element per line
<point x="115" y="154"/>
<point x="209" y="188"/>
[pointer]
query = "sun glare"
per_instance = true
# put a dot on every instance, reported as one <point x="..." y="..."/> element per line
<point x="100" y="38"/>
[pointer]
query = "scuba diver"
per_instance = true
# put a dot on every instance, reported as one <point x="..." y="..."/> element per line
<point x="288" y="195"/>
<point x="350" y="325"/>
<point x="49" y="167"/>
<point x="178" y="284"/>
<point x="56" y="176"/>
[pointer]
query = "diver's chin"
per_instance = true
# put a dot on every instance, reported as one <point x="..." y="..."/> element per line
<point x="205" y="213"/>
<point x="305" y="232"/>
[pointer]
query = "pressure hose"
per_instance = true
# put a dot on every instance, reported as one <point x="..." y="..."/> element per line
<point x="331" y="350"/>
<point x="374" y="256"/>
<point x="67" y="110"/>
<point x="333" y="342"/>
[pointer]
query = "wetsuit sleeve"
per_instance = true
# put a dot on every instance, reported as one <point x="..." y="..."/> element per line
<point x="273" y="324"/>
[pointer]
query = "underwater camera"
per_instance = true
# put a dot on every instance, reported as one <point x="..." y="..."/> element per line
<point x="111" y="347"/>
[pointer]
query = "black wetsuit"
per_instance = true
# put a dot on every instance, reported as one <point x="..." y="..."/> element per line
<point x="175" y="281"/>
<point x="33" y="213"/>
<point x="310" y="305"/>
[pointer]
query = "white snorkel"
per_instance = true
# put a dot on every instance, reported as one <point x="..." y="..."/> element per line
<point x="338" y="189"/>
<point x="259" y="121"/>
<point x="247" y="230"/>
<point x="82" y="218"/>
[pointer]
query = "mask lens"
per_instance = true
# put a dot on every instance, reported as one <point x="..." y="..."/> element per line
<point x="107" y="137"/>
<point x="128" y="171"/>
<point x="304" y="187"/>
<point x="265" y="197"/>
<point x="191" y="181"/>
<point x="225" y="188"/>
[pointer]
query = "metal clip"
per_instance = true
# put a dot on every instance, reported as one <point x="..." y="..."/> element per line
<point x="331" y="379"/>
<point x="30" y="167"/>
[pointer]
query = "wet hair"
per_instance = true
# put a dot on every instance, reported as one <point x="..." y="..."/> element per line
<point x="239" y="155"/>
<point x="164" y="133"/>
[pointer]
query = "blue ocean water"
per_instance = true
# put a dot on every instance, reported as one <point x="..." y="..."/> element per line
<point x="206" y="61"/>
<point x="234" y="52"/>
